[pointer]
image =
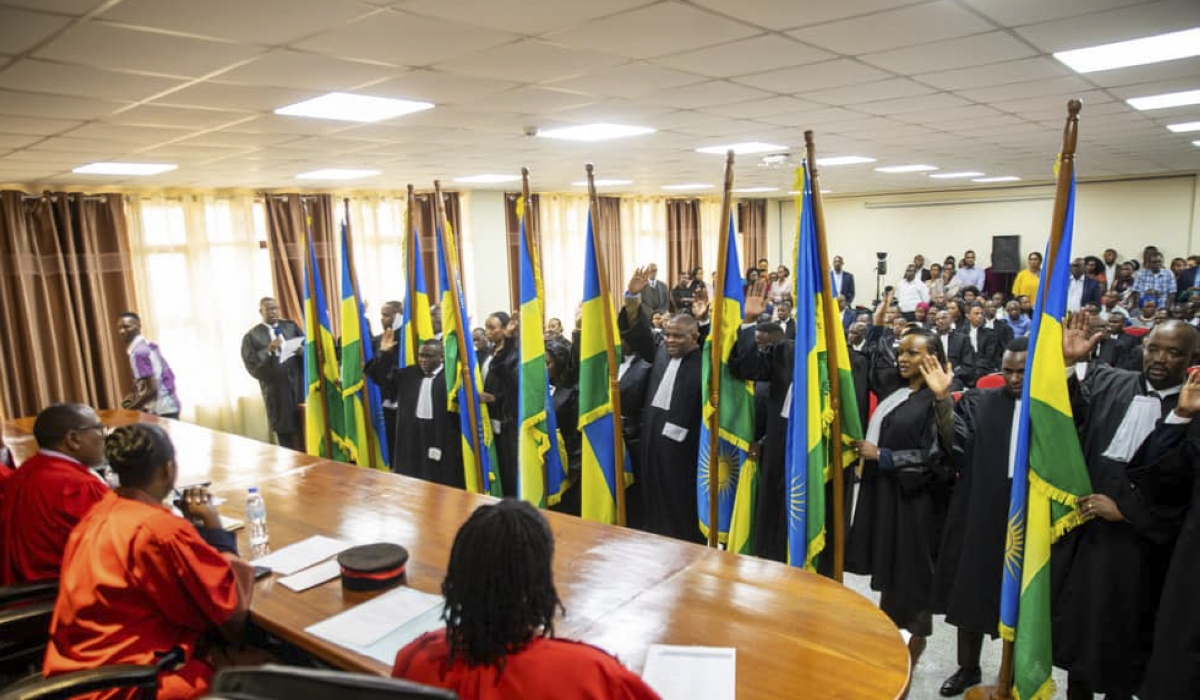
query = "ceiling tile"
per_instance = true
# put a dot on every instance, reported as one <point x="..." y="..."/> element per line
<point x="614" y="111"/>
<point x="82" y="81"/>
<point x="628" y="80"/>
<point x="10" y="141"/>
<point x="308" y="71"/>
<point x="211" y="94"/>
<point x="63" y="7"/>
<point x="180" y="117"/>
<point x="534" y="17"/>
<point x="235" y="140"/>
<point x="1021" y="12"/>
<point x="118" y="48"/>
<point x="90" y="148"/>
<point x="932" y="116"/>
<point x="705" y="95"/>
<point x="31" y="104"/>
<point x="763" y="108"/>
<point x="658" y="30"/>
<point x="21" y="30"/>
<point x="1115" y="25"/>
<point x="808" y="119"/>
<point x="815" y="77"/>
<point x="754" y="55"/>
<point x="405" y="39"/>
<point x="1035" y="88"/>
<point x="1180" y="69"/>
<point x="996" y="74"/>
<point x="953" y="53"/>
<point x="35" y="126"/>
<point x="887" y="108"/>
<point x="125" y="134"/>
<point x="190" y="152"/>
<point x="259" y="22"/>
<point x="529" y="60"/>
<point x="724" y="128"/>
<point x="531" y="100"/>
<point x="787" y="15"/>
<point x="868" y="92"/>
<point x="896" y="28"/>
<point x="278" y="124"/>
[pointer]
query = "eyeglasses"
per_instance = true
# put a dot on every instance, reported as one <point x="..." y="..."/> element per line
<point x="104" y="429"/>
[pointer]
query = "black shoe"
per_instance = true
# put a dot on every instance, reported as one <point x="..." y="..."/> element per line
<point x="961" y="680"/>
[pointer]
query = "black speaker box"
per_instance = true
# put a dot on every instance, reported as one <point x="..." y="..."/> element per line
<point x="1006" y="254"/>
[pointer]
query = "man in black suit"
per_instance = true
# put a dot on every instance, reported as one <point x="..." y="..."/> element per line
<point x="919" y="263"/>
<point x="1188" y="278"/>
<point x="843" y="282"/>
<point x="391" y="315"/>
<point x="847" y="313"/>
<point x="985" y="342"/>
<point x="655" y="297"/>
<point x="1117" y="348"/>
<point x="1081" y="289"/>
<point x="280" y="378"/>
<point x="958" y="351"/>
<point x="783" y="315"/>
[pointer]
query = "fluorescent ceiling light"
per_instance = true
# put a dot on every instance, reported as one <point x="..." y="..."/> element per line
<point x="124" y="168"/>
<point x="844" y="160"/>
<point x="1135" y="52"/>
<point x="1171" y="99"/>
<point x="1186" y="126"/>
<point x="748" y="190"/>
<point x="687" y="186"/>
<point x="965" y="173"/>
<point x="743" y="148"/>
<point x="336" y="174"/>
<point x="603" y="183"/>
<point x="595" y="132"/>
<point x="344" y="106"/>
<point x="1196" y="143"/>
<point x="905" y="168"/>
<point x="486" y="179"/>
<point x="1001" y="178"/>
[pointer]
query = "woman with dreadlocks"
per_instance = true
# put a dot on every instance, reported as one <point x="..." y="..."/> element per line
<point x="500" y="603"/>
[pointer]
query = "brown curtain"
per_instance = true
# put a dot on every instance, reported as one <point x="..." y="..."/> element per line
<point x="513" y="230"/>
<point x="65" y="274"/>
<point x="683" y="238"/>
<point x="609" y="230"/>
<point x="752" y="224"/>
<point x="425" y="216"/>
<point x="289" y="216"/>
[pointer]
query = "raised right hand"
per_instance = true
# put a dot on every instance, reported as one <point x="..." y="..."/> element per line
<point x="1077" y="341"/>
<point x="756" y="305"/>
<point x="638" y="281"/>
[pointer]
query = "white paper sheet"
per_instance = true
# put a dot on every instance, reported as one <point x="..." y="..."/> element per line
<point x="290" y="346"/>
<point x="231" y="524"/>
<point x="375" y="619"/>
<point x="301" y="555"/>
<point x="691" y="673"/>
<point x="312" y="576"/>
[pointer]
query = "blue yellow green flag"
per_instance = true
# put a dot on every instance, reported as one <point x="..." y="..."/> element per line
<point x="734" y="420"/>
<point x="1049" y="475"/>
<point x="323" y="417"/>
<point x="362" y="429"/>
<point x="596" y="422"/>
<point x="416" y="320"/>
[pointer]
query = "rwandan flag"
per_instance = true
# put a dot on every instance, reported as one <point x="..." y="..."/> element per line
<point x="1049" y="475"/>
<point x="542" y="472"/>
<point x="362" y="409"/>
<point x="596" y="422"/>
<point x="810" y="414"/>
<point x="323" y="434"/>
<point x="735" y="420"/>
<point x="459" y="358"/>
<point x="417" y="322"/>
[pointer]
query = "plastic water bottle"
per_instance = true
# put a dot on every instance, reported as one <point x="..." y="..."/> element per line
<point x="256" y="518"/>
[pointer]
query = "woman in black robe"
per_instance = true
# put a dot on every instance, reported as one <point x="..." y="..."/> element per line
<point x="903" y="494"/>
<point x="500" y="393"/>
<point x="564" y="388"/>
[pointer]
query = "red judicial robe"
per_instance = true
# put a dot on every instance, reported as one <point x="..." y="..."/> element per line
<point x="139" y="580"/>
<point x="546" y="669"/>
<point x="39" y="506"/>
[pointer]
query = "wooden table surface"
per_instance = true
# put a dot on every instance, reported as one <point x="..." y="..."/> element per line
<point x="796" y="634"/>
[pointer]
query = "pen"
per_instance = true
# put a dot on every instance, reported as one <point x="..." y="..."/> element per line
<point x="179" y="491"/>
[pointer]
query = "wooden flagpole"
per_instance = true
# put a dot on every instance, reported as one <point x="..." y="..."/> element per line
<point x="410" y="266"/>
<point x="832" y="328"/>
<point x="610" y="348"/>
<point x="310" y="263"/>
<point x="468" y="377"/>
<point x="371" y="436"/>
<point x="1066" y="174"/>
<point x="716" y="313"/>
<point x="535" y="263"/>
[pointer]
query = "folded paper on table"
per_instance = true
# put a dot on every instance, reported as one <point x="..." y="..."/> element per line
<point x="379" y="627"/>
<point x="301" y="555"/>
<point x="312" y="576"/>
<point x="691" y="673"/>
<point x="231" y="524"/>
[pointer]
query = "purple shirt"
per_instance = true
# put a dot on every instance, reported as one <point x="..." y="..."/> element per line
<point x="147" y="362"/>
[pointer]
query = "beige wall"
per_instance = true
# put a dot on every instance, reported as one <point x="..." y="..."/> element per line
<point x="1124" y="215"/>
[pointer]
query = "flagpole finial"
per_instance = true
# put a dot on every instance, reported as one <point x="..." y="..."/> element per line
<point x="729" y="157"/>
<point x="410" y="189"/>
<point x="589" y="168"/>
<point x="524" y="172"/>
<point x="437" y="184"/>
<point x="1073" y="106"/>
<point x="808" y="137"/>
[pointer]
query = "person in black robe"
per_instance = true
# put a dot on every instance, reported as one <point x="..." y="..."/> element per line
<point x="427" y="444"/>
<point x="633" y="375"/>
<point x="882" y="344"/>
<point x="957" y="349"/>
<point x="985" y="343"/>
<point x="390" y="316"/>
<point x="971" y="557"/>
<point x="1174" y="668"/>
<point x="671" y="414"/>
<point x="281" y="379"/>
<point x="860" y="369"/>
<point x="500" y="393"/>
<point x="564" y="397"/>
<point x="1107" y="574"/>
<point x="897" y="526"/>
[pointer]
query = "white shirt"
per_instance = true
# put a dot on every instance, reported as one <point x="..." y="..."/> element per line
<point x="666" y="388"/>
<point x="974" y="333"/>
<point x="945" y="344"/>
<point x="1074" y="294"/>
<point x="837" y="282"/>
<point x="909" y="294"/>
<point x="1110" y="275"/>
<point x="425" y="396"/>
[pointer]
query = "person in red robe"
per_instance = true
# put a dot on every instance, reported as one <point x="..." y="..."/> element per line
<point x="138" y="581"/>
<point x="8" y="465"/>
<point x="500" y="603"/>
<point x="44" y="499"/>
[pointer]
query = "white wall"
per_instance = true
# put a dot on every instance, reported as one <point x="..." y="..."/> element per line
<point x="1125" y="215"/>
<point x="486" y="255"/>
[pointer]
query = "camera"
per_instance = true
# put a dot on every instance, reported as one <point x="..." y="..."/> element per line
<point x="881" y="256"/>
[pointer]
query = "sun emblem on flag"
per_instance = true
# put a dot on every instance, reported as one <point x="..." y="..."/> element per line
<point x="1014" y="545"/>
<point x="729" y="463"/>
<point x="798" y="499"/>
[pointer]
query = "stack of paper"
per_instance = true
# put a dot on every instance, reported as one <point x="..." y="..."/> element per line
<point x="691" y="673"/>
<point x="302" y="554"/>
<point x="379" y="627"/>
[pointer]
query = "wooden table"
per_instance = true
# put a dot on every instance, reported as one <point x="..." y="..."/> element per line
<point x="796" y="634"/>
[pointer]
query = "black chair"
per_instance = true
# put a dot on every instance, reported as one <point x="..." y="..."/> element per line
<point x="288" y="683"/>
<point x="142" y="679"/>
<point x="25" y="613"/>
<point x="42" y="590"/>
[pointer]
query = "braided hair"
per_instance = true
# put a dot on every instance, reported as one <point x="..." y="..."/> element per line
<point x="136" y="451"/>
<point x="499" y="586"/>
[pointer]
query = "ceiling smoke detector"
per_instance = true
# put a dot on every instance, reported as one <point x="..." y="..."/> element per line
<point x="776" y="160"/>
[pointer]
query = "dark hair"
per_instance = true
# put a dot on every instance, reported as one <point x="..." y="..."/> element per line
<point x="499" y="584"/>
<point x="1020" y="344"/>
<point x="560" y="350"/>
<point x="502" y="317"/>
<point x="787" y="272"/>
<point x="970" y="288"/>
<point x="265" y="300"/>
<point x="136" y="451"/>
<point x="129" y="314"/>
<point x="1034" y="254"/>
<point x="55" y="421"/>
<point x="931" y="341"/>
<point x="432" y="342"/>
